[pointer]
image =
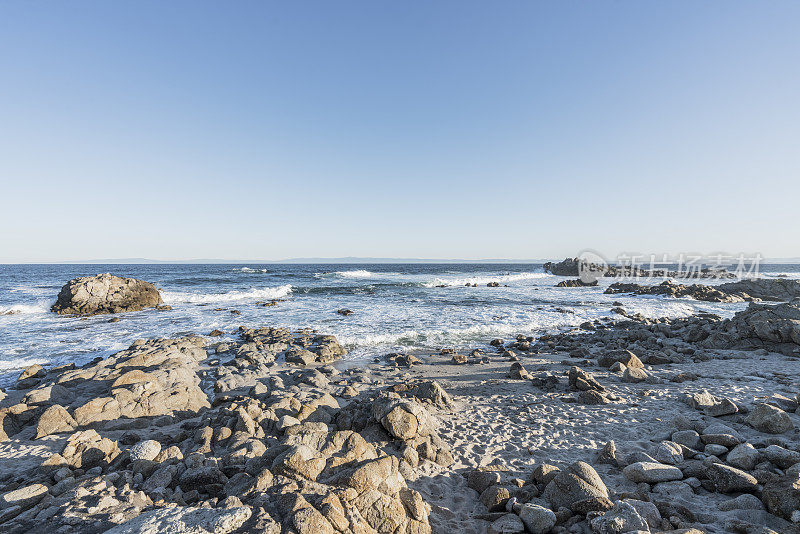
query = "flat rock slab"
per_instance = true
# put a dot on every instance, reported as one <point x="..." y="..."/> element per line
<point x="185" y="520"/>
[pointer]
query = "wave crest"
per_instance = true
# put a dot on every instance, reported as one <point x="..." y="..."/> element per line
<point x="231" y="296"/>
<point x="25" y="309"/>
<point x="483" y="280"/>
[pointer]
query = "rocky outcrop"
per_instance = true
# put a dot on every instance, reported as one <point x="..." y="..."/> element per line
<point x="276" y="459"/>
<point x="105" y="293"/>
<point x="576" y="283"/>
<point x="573" y="266"/>
<point x="774" y="289"/>
<point x="671" y="289"/>
<point x="261" y="346"/>
<point x="761" y="326"/>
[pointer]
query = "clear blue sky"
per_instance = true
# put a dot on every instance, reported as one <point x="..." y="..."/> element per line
<point x="267" y="130"/>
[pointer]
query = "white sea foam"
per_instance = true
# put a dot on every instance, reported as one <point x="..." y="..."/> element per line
<point x="21" y="363"/>
<point x="249" y="270"/>
<point x="171" y="297"/>
<point x="483" y="280"/>
<point x="25" y="309"/>
<point x="358" y="273"/>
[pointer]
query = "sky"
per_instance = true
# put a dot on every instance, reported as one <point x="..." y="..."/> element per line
<point x="269" y="130"/>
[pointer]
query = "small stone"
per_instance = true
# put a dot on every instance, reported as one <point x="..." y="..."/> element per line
<point x="145" y="450"/>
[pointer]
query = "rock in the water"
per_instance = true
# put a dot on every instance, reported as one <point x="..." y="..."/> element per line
<point x="185" y="520"/>
<point x="577" y="482"/>
<point x="105" y="293"/>
<point x="769" y="419"/>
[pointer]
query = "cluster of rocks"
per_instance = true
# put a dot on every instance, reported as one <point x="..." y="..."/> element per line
<point x="106" y="293"/>
<point x="770" y="327"/>
<point x="698" y="457"/>
<point x="243" y="363"/>
<point x="775" y="289"/>
<point x="574" y="266"/>
<point x="142" y="448"/>
<point x="671" y="289"/>
<point x="555" y="500"/>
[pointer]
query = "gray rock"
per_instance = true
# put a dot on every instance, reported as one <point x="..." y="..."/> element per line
<point x="651" y="472"/>
<point x="688" y="438"/>
<point x="622" y="518"/>
<point x="769" y="419"/>
<point x="728" y="479"/>
<point x="479" y="480"/>
<point x="668" y="452"/>
<point x="634" y="375"/>
<point x="783" y="458"/>
<point x="744" y="456"/>
<point x="782" y="496"/>
<point x="508" y="524"/>
<point x="647" y="510"/>
<point x="185" y="520"/>
<point x="577" y="482"/>
<point x="745" y="501"/>
<point x="537" y="519"/>
<point x="712" y="449"/>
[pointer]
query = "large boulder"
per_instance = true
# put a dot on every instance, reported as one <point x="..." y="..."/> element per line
<point x="577" y="482"/>
<point x="769" y="419"/>
<point x="403" y="419"/>
<point x="105" y="293"/>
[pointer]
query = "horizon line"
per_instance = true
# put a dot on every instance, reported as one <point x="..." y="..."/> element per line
<point x="313" y="260"/>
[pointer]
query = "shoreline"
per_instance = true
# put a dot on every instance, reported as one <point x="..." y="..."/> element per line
<point x="674" y="425"/>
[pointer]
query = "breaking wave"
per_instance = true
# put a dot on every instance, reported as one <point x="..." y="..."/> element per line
<point x="14" y="309"/>
<point x="230" y="296"/>
<point x="483" y="280"/>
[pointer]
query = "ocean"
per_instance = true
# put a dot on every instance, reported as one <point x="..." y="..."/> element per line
<point x="396" y="307"/>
